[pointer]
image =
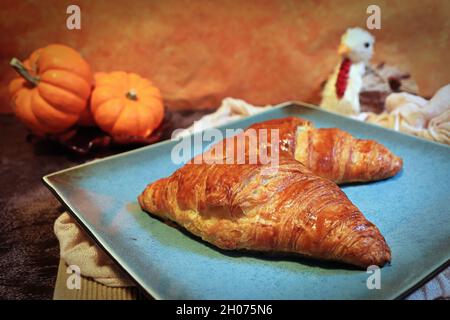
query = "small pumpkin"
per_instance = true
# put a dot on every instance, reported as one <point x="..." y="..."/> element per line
<point x="125" y="104"/>
<point x="52" y="89"/>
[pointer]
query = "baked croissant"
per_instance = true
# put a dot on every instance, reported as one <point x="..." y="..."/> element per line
<point x="283" y="208"/>
<point x="333" y="153"/>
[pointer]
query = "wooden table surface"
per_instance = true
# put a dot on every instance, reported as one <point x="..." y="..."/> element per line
<point x="29" y="250"/>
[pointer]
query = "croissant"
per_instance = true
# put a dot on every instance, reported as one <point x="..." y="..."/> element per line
<point x="261" y="207"/>
<point x="333" y="153"/>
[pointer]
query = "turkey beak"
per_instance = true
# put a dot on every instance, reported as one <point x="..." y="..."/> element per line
<point x="343" y="49"/>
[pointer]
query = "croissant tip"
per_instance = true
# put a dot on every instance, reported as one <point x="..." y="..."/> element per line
<point x="384" y="259"/>
<point x="370" y="250"/>
<point x="397" y="164"/>
<point x="379" y="256"/>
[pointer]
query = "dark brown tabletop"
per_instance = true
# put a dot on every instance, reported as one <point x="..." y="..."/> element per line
<point x="29" y="250"/>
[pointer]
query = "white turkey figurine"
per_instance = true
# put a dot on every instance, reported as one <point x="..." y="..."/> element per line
<point x="341" y="91"/>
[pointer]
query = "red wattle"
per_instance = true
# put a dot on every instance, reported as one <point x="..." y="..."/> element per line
<point x="342" y="77"/>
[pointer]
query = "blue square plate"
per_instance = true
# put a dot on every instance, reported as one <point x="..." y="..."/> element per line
<point x="412" y="210"/>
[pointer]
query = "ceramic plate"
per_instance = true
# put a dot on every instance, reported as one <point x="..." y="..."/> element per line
<point x="412" y="210"/>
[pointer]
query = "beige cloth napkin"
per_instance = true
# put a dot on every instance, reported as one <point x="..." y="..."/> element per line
<point x="437" y="288"/>
<point x="76" y="248"/>
<point x="229" y="110"/>
<point x="89" y="289"/>
<point x="414" y="115"/>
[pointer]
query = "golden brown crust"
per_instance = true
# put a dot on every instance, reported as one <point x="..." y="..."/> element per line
<point x="289" y="207"/>
<point x="254" y="207"/>
<point x="287" y="128"/>
<point x="249" y="145"/>
<point x="333" y="153"/>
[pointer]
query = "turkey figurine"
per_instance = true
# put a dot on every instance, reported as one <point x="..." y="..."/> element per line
<point x="341" y="91"/>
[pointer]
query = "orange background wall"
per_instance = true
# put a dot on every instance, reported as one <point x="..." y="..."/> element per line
<point x="198" y="52"/>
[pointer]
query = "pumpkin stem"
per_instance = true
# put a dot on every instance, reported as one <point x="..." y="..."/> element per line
<point x="132" y="95"/>
<point x="20" y="68"/>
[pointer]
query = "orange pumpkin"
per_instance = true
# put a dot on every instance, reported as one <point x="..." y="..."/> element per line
<point x="52" y="90"/>
<point x="125" y="104"/>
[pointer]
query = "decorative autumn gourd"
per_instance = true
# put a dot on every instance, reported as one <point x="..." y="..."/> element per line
<point x="125" y="104"/>
<point x="52" y="89"/>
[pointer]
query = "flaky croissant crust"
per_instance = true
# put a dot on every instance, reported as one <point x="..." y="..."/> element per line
<point x="333" y="153"/>
<point x="328" y="152"/>
<point x="291" y="206"/>
<point x="285" y="208"/>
